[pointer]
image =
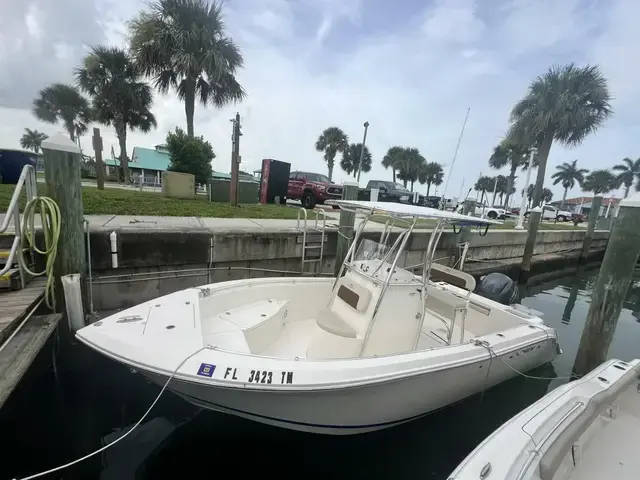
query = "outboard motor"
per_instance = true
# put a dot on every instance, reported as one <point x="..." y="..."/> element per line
<point x="499" y="288"/>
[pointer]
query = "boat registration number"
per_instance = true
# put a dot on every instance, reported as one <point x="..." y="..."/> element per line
<point x="266" y="376"/>
<point x="261" y="376"/>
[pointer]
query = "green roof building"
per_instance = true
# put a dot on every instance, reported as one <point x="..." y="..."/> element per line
<point x="146" y="162"/>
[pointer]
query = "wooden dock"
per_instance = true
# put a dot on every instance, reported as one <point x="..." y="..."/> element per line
<point x="18" y="354"/>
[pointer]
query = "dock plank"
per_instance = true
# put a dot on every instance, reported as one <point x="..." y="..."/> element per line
<point x="16" y="304"/>
<point x="21" y="351"/>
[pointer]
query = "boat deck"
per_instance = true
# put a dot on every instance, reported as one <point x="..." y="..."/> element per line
<point x="613" y="452"/>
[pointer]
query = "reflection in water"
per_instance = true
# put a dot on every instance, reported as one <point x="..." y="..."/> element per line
<point x="98" y="399"/>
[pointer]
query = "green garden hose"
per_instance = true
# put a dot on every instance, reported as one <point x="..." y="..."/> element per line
<point x="50" y="219"/>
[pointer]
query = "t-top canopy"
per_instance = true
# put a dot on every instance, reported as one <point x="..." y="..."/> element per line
<point x="403" y="210"/>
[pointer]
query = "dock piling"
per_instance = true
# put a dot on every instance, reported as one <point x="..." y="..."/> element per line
<point x="611" y="287"/>
<point x="594" y="213"/>
<point x="97" y="151"/>
<point x="62" y="161"/>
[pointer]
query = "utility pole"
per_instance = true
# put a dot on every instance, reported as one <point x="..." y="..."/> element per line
<point x="235" y="160"/>
<point x="364" y="141"/>
<point x="610" y="290"/>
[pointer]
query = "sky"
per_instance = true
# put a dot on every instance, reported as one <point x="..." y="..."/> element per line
<point x="411" y="68"/>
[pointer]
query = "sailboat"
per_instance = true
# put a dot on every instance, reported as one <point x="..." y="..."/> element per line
<point x="372" y="348"/>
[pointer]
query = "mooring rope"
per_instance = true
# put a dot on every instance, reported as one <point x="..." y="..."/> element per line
<point x="492" y="353"/>
<point x="109" y="445"/>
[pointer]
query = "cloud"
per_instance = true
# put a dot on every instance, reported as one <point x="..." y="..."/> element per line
<point x="311" y="64"/>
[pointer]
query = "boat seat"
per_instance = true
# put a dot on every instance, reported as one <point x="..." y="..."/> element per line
<point x="442" y="273"/>
<point x="444" y="307"/>
<point x="330" y="322"/>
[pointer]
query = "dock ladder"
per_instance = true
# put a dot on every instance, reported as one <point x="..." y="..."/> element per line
<point x="312" y="245"/>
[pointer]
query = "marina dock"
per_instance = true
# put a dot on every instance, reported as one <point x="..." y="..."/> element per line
<point x="22" y="334"/>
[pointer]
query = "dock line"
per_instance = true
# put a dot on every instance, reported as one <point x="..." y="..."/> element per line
<point x="102" y="449"/>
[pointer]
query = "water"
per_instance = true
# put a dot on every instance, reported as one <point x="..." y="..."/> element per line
<point x="55" y="418"/>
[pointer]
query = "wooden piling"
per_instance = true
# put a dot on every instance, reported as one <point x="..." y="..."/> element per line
<point x="611" y="287"/>
<point x="347" y="223"/>
<point x="525" y="266"/>
<point x="594" y="213"/>
<point x="62" y="163"/>
<point x="97" y="152"/>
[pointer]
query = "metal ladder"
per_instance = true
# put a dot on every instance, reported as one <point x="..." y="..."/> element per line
<point x="313" y="245"/>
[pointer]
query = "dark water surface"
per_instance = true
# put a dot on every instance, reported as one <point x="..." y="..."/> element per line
<point x="60" y="414"/>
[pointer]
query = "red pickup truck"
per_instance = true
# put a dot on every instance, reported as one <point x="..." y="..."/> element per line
<point x="312" y="188"/>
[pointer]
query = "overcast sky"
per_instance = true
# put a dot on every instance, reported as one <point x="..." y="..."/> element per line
<point x="409" y="67"/>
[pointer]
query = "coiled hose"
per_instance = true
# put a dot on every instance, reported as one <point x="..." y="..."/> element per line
<point x="50" y="219"/>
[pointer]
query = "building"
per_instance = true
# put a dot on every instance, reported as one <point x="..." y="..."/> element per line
<point x="145" y="162"/>
<point x="583" y="205"/>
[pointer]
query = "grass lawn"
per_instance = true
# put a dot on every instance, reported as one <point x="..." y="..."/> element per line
<point x="507" y="225"/>
<point x="117" y="201"/>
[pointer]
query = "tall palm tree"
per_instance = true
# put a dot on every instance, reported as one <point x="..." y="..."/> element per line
<point x="410" y="166"/>
<point x="350" y="162"/>
<point x="629" y="172"/>
<point x="182" y="45"/>
<point x="566" y="104"/>
<point x="120" y="97"/>
<point x="568" y="174"/>
<point x="431" y="174"/>
<point x="512" y="154"/>
<point x="599" y="181"/>
<point x="393" y="158"/>
<point x="546" y="196"/>
<point x="32" y="139"/>
<point x="63" y="103"/>
<point x="483" y="185"/>
<point x="332" y="141"/>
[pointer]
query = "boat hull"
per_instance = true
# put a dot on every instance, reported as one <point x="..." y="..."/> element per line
<point x="363" y="408"/>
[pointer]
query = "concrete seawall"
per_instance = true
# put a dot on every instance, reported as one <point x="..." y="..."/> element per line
<point x="156" y="260"/>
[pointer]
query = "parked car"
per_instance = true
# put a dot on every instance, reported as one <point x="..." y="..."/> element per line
<point x="388" y="192"/>
<point x="312" y="188"/>
<point x="483" y="210"/>
<point x="550" y="212"/>
<point x="577" y="218"/>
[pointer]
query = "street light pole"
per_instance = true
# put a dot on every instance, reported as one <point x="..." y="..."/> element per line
<point x="523" y="203"/>
<point x="364" y="141"/>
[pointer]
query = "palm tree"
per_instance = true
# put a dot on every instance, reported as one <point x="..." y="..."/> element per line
<point x="566" y="104"/>
<point x="629" y="171"/>
<point x="332" y="141"/>
<point x="182" y="45"/>
<point x="546" y="196"/>
<point x="512" y="154"/>
<point x="410" y="166"/>
<point x="350" y="162"/>
<point x="32" y="139"/>
<point x="599" y="181"/>
<point x="568" y="174"/>
<point x="120" y="96"/>
<point x="393" y="158"/>
<point x="63" y="103"/>
<point x="431" y="174"/>
<point x="483" y="185"/>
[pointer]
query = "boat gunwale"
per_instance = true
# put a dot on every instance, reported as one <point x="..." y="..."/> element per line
<point x="336" y="384"/>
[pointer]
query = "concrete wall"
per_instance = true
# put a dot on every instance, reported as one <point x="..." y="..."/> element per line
<point x="155" y="262"/>
<point x="178" y="185"/>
